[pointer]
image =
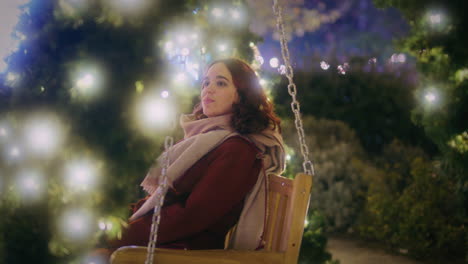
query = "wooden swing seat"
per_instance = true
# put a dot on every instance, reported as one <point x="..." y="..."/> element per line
<point x="287" y="208"/>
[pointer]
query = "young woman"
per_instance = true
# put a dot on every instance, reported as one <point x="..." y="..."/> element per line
<point x="217" y="174"/>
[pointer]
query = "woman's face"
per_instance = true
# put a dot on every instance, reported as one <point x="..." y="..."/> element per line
<point x="218" y="91"/>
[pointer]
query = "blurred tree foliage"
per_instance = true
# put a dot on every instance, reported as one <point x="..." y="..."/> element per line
<point x="412" y="206"/>
<point x="61" y="36"/>
<point x="338" y="189"/>
<point x="438" y="42"/>
<point x="376" y="103"/>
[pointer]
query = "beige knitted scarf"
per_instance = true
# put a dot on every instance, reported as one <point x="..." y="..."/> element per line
<point x="202" y="136"/>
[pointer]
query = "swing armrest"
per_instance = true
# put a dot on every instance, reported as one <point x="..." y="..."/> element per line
<point x="133" y="254"/>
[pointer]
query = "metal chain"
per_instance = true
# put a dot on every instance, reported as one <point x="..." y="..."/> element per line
<point x="295" y="106"/>
<point x="162" y="189"/>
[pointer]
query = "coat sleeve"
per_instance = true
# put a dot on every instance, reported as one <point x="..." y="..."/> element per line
<point x="218" y="183"/>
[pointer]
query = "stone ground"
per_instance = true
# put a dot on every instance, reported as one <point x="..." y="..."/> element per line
<point x="349" y="251"/>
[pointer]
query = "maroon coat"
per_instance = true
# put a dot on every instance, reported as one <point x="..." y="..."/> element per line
<point x="205" y="202"/>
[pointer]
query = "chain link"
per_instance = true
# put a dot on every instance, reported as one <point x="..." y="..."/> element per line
<point x="295" y="106"/>
<point x="162" y="189"/>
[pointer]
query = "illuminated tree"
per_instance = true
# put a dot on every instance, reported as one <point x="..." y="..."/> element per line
<point x="437" y="41"/>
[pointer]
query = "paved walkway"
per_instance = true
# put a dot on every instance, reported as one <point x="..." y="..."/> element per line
<point x="349" y="251"/>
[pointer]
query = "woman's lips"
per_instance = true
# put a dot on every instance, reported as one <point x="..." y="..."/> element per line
<point x="208" y="101"/>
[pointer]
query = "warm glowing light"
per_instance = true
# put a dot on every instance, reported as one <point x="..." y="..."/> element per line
<point x="324" y="65"/>
<point x="15" y="152"/>
<point x="164" y="94"/>
<point x="30" y="184"/>
<point x="153" y="113"/>
<point x="274" y="62"/>
<point x="282" y="69"/>
<point x="11" y="77"/>
<point x="3" y="132"/>
<point x="180" y="77"/>
<point x="181" y="38"/>
<point x="217" y="12"/>
<point x="81" y="174"/>
<point x="88" y="80"/>
<point x="184" y="52"/>
<point x="129" y="7"/>
<point x="251" y="44"/>
<point x="102" y="225"/>
<point x="260" y="59"/>
<point x="430" y="97"/>
<point x="168" y="46"/>
<point x="222" y="47"/>
<point x="76" y="224"/>
<point x="43" y="134"/>
<point x="236" y="14"/>
<point x="288" y="157"/>
<point x="436" y="18"/>
<point x="306" y="223"/>
<point x="85" y="82"/>
<point x="262" y="82"/>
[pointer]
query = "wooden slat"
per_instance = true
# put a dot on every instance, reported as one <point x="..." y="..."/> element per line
<point x="273" y="202"/>
<point x="281" y="212"/>
<point x="137" y="255"/>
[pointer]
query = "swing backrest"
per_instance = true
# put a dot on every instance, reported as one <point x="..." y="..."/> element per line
<point x="288" y="202"/>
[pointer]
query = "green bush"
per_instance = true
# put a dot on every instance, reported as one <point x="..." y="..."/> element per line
<point x="337" y="190"/>
<point x="314" y="242"/>
<point x="412" y="206"/>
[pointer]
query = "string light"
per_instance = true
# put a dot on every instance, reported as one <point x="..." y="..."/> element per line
<point x="324" y="65"/>
<point x="217" y="12"/>
<point x="282" y="69"/>
<point x="30" y="184"/>
<point x="76" y="224"/>
<point x="235" y="14"/>
<point x="81" y="174"/>
<point x="222" y="47"/>
<point x="274" y="62"/>
<point x="88" y="80"/>
<point x="43" y="134"/>
<point x="3" y="132"/>
<point x="180" y="78"/>
<point x="398" y="58"/>
<point x="430" y="97"/>
<point x="153" y="113"/>
<point x="164" y="94"/>
<point x="129" y="7"/>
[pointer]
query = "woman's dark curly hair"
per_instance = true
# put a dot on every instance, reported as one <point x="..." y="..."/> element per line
<point x="254" y="112"/>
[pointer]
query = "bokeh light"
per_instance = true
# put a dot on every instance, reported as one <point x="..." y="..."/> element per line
<point x="164" y="94"/>
<point x="76" y="224"/>
<point x="30" y="184"/>
<point x="217" y="12"/>
<point x="153" y="113"/>
<point x="324" y="65"/>
<point x="430" y="97"/>
<point x="130" y="7"/>
<point x="43" y="134"/>
<point x="274" y="62"/>
<point x="88" y="81"/>
<point x="81" y="174"/>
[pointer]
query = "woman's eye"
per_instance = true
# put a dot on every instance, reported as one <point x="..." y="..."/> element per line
<point x="221" y="83"/>
<point x="204" y="84"/>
